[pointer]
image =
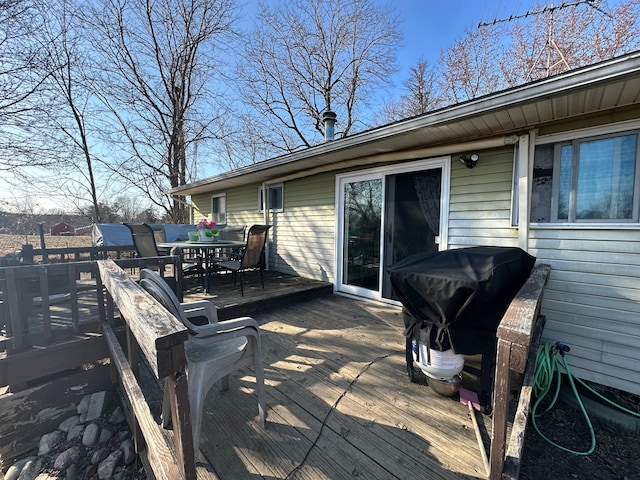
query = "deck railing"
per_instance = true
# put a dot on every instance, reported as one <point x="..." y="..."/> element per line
<point x="54" y="356"/>
<point x="43" y="303"/>
<point x="76" y="254"/>
<point x="157" y="337"/>
<point x="518" y="339"/>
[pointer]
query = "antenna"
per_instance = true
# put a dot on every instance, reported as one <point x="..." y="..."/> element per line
<point x="550" y="42"/>
<point x="544" y="10"/>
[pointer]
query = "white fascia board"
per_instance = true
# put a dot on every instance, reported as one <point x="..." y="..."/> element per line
<point x="585" y="77"/>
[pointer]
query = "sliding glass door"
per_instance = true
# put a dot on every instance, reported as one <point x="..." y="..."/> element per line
<point x="384" y="216"/>
<point x="362" y="221"/>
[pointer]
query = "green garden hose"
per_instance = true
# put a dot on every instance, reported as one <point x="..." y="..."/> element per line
<point x="550" y="362"/>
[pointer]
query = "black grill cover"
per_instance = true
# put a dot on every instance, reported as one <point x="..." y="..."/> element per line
<point x="456" y="295"/>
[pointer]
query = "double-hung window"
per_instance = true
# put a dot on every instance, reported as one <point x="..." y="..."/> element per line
<point x="587" y="180"/>
<point x="219" y="209"/>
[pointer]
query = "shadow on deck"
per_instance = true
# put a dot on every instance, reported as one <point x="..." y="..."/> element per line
<point x="339" y="404"/>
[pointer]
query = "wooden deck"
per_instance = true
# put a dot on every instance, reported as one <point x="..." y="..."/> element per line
<point x="63" y="312"/>
<point x="280" y="289"/>
<point x="339" y="402"/>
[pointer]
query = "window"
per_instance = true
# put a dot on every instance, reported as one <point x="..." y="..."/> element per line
<point x="219" y="209"/>
<point x="588" y="180"/>
<point x="276" y="202"/>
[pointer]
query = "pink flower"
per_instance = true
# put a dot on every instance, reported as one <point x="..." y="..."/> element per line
<point x="204" y="224"/>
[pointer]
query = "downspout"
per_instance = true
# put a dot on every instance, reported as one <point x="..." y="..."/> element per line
<point x="265" y="220"/>
<point x="526" y="148"/>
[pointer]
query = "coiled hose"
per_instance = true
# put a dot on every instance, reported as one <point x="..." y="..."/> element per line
<point x="550" y="362"/>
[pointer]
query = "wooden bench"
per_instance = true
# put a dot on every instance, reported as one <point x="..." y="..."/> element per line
<point x="518" y="339"/>
<point x="160" y="337"/>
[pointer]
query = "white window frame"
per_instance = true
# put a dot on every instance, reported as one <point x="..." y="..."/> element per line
<point x="443" y="163"/>
<point x="574" y="138"/>
<point x="274" y="186"/>
<point x="219" y="217"/>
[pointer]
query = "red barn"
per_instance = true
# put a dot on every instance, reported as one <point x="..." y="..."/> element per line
<point x="62" y="229"/>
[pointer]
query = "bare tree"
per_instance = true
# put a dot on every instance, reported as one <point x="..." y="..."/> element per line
<point x="421" y="89"/>
<point x="554" y="39"/>
<point x="129" y="208"/>
<point x="305" y="57"/>
<point x="66" y="53"/>
<point x="22" y="73"/>
<point x="544" y="41"/>
<point x="421" y="94"/>
<point x="159" y="61"/>
<point x="468" y="68"/>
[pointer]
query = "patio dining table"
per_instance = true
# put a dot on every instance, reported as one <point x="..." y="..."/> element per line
<point x="208" y="251"/>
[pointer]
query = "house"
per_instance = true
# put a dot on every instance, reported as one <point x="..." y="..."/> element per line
<point x="62" y="228"/>
<point x="552" y="166"/>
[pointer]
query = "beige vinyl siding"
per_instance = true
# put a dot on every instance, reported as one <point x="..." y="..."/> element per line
<point x="305" y="231"/>
<point x="301" y="238"/>
<point x="201" y="207"/>
<point x="480" y="201"/>
<point x="242" y="205"/>
<point x="592" y="300"/>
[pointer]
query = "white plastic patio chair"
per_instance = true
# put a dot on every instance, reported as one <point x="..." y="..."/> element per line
<point x="215" y="349"/>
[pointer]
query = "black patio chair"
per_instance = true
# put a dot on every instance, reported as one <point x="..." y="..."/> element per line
<point x="234" y="233"/>
<point x="251" y="257"/>
<point x="144" y="240"/>
<point x="160" y="237"/>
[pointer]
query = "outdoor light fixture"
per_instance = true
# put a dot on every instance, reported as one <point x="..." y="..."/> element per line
<point x="470" y="161"/>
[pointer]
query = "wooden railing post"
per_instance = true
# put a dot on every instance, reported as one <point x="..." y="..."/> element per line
<point x="500" y="408"/>
<point x="518" y="331"/>
<point x="14" y="326"/>
<point x="160" y="338"/>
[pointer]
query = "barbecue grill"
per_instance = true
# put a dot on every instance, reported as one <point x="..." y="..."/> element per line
<point x="453" y="302"/>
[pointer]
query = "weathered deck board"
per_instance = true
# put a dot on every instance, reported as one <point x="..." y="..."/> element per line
<point x="390" y="376"/>
<point x="382" y="427"/>
<point x="279" y="289"/>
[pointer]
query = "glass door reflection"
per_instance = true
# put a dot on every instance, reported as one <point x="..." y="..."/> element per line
<point x="362" y="227"/>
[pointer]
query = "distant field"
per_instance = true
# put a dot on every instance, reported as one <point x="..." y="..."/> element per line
<point x="11" y="243"/>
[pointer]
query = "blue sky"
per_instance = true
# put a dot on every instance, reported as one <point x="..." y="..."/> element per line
<point x="430" y="26"/>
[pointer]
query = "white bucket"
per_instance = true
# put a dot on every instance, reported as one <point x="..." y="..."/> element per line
<point x="442" y="365"/>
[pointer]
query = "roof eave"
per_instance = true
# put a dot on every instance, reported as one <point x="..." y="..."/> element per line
<point x="585" y="77"/>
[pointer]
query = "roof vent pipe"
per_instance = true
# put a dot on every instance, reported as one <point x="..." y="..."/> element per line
<point x="329" y="120"/>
